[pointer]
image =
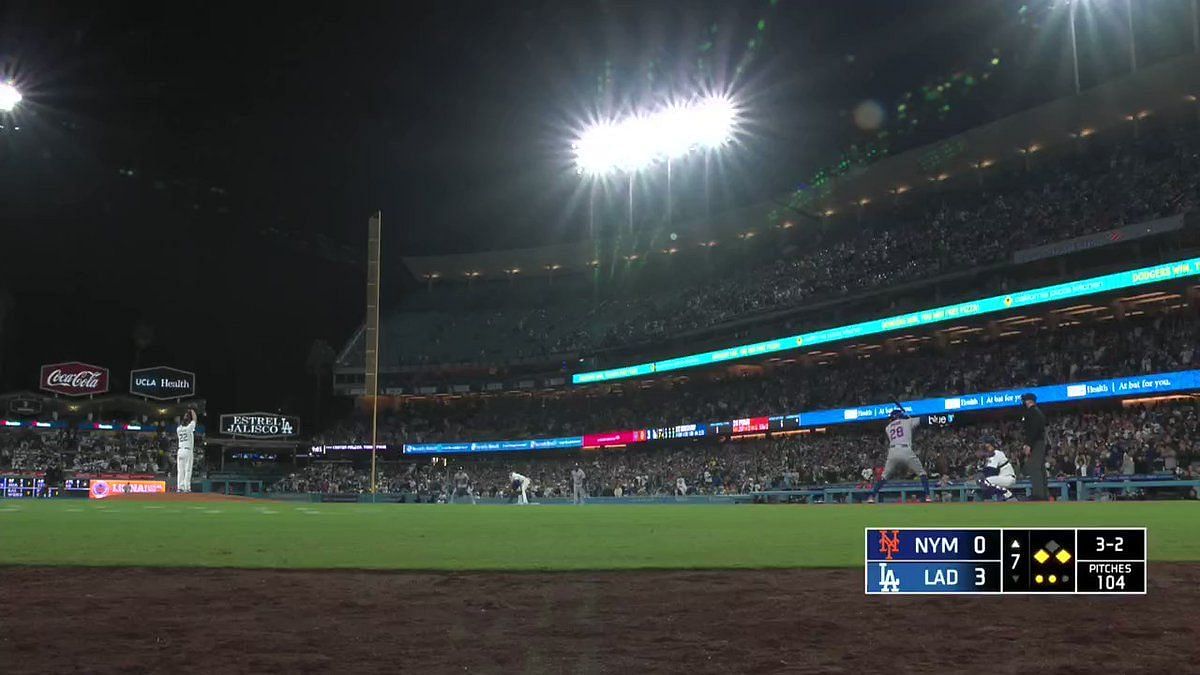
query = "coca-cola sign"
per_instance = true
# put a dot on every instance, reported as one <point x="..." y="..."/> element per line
<point x="74" y="379"/>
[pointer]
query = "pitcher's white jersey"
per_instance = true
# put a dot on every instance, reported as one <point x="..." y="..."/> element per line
<point x="900" y="433"/>
<point x="187" y="435"/>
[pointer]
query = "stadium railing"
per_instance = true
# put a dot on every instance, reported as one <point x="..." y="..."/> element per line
<point x="1086" y="487"/>
<point x="1080" y="488"/>
<point x="232" y="485"/>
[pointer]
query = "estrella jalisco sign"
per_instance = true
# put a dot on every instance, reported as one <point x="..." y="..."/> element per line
<point x="260" y="425"/>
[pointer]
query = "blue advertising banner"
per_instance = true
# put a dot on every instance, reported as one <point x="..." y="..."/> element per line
<point x="1138" y="385"/>
<point x="493" y="446"/>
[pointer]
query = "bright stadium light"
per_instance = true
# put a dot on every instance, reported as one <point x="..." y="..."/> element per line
<point x="9" y="97"/>
<point x="713" y="121"/>
<point x="641" y="140"/>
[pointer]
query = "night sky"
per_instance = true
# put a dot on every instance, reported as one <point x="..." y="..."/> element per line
<point x="202" y="173"/>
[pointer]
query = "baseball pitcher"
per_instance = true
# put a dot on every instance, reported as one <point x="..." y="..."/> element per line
<point x="186" y="433"/>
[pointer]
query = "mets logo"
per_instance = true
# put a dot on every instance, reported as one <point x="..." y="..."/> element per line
<point x="99" y="489"/>
<point x="889" y="545"/>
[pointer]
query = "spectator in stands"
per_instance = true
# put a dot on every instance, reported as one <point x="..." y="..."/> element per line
<point x="945" y="232"/>
<point x="738" y="467"/>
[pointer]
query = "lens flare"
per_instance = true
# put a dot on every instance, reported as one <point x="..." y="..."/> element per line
<point x="643" y="139"/>
<point x="9" y="97"/>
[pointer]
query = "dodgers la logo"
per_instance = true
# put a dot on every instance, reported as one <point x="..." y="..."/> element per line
<point x="889" y="545"/>
<point x="888" y="583"/>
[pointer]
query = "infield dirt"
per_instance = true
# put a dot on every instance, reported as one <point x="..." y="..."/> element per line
<point x="814" y="620"/>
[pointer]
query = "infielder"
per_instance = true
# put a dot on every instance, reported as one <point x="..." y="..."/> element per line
<point x="577" y="491"/>
<point x="521" y="486"/>
<point x="900" y="453"/>
<point x="462" y="486"/>
<point x="186" y="433"/>
<point x="998" y="473"/>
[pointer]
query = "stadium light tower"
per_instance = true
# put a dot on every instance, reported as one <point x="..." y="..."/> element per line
<point x="641" y="140"/>
<point x="1196" y="26"/>
<point x="1073" y="4"/>
<point x="9" y="97"/>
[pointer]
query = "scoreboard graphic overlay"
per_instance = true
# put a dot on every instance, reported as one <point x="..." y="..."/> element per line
<point x="931" y="561"/>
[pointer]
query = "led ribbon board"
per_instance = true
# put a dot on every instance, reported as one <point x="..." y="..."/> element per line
<point x="492" y="446"/>
<point x="999" y="303"/>
<point x="1137" y="385"/>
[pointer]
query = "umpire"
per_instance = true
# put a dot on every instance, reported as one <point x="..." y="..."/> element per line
<point x="1034" y="421"/>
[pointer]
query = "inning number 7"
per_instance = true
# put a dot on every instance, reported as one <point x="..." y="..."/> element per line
<point x="1016" y="557"/>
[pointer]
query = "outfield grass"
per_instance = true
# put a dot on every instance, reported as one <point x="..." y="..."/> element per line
<point x="464" y="537"/>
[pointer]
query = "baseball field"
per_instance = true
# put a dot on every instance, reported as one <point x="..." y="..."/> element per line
<point x="430" y="537"/>
<point x="213" y="584"/>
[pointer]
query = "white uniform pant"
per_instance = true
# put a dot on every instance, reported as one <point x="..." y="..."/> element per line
<point x="183" y="464"/>
<point x="577" y="496"/>
<point x="1001" y="482"/>
<point x="522" y="497"/>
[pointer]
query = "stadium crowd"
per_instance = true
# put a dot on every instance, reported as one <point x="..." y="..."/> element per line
<point x="953" y="233"/>
<point x="1144" y="344"/>
<point x="1144" y="439"/>
<point x="86" y="452"/>
<point x="343" y="477"/>
<point x="942" y="233"/>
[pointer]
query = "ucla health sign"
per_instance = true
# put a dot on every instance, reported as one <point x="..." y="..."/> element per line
<point x="162" y="383"/>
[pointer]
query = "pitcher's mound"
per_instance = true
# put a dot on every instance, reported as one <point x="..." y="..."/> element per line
<point x="177" y="497"/>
